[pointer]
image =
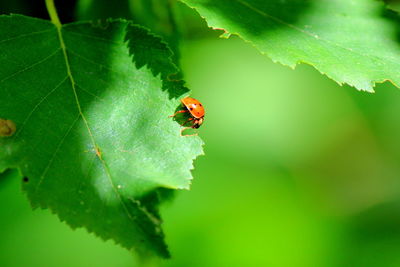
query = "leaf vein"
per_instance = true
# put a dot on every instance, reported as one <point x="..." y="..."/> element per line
<point x="24" y="35"/>
<point x="92" y="61"/>
<point x="315" y="36"/>
<point x="38" y="104"/>
<point x="31" y="66"/>
<point x="90" y="93"/>
<point x="93" y="37"/>
<point x="55" y="154"/>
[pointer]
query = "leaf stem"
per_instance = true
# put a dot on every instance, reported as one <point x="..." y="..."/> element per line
<point x="51" y="8"/>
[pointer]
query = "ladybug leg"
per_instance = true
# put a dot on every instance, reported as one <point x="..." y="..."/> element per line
<point x="180" y="111"/>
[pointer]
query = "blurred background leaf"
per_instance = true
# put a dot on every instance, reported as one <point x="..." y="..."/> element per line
<point x="393" y="4"/>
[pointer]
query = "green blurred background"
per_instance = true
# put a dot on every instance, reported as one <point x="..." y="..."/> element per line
<point x="298" y="171"/>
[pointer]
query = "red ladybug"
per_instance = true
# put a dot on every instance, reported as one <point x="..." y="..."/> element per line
<point x="196" y="110"/>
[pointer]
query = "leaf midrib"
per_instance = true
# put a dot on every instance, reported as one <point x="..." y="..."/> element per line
<point x="96" y="148"/>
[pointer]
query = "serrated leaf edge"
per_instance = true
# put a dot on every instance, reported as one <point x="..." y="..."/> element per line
<point x="226" y="35"/>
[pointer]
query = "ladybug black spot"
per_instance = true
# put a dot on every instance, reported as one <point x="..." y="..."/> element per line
<point x="25" y="179"/>
<point x="191" y="108"/>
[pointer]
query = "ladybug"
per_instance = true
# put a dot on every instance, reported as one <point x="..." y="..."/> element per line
<point x="195" y="109"/>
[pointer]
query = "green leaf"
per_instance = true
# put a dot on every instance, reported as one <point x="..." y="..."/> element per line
<point x="93" y="138"/>
<point x="353" y="42"/>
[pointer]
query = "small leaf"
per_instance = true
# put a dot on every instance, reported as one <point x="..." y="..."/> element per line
<point x="353" y="42"/>
<point x="91" y="107"/>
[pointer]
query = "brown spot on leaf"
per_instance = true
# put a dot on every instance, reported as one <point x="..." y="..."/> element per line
<point x="7" y="128"/>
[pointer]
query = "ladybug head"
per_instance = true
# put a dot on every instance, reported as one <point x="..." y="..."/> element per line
<point x="197" y="123"/>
